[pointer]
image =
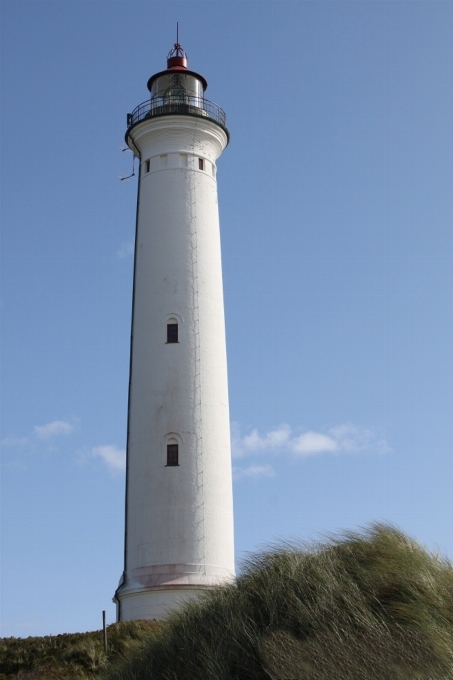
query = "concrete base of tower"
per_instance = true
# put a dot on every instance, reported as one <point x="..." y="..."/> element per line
<point x="154" y="591"/>
<point x="153" y="604"/>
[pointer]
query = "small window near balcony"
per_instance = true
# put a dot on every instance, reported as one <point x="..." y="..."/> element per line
<point x="201" y="163"/>
<point x="148" y="165"/>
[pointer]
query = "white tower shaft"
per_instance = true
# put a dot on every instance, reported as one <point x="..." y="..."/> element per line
<point x="179" y="513"/>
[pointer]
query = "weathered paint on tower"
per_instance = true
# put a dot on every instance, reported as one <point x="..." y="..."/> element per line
<point x="179" y="509"/>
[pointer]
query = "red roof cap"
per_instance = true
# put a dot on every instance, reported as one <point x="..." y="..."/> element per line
<point x="177" y="58"/>
<point x="177" y="61"/>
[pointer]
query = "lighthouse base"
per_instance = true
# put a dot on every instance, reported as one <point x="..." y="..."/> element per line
<point x="153" y="604"/>
<point x="154" y="591"/>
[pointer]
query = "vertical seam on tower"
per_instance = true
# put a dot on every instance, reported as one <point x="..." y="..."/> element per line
<point x="196" y="322"/>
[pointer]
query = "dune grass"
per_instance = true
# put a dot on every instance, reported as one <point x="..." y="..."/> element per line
<point x="370" y="606"/>
<point x="73" y="656"/>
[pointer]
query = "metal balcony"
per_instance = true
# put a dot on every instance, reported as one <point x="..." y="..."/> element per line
<point x="177" y="105"/>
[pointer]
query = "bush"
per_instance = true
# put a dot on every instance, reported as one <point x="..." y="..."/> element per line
<point x="371" y="606"/>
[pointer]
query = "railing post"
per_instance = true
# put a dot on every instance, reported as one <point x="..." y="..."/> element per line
<point x="104" y="628"/>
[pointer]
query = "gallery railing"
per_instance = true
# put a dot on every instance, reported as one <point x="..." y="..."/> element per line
<point x="177" y="104"/>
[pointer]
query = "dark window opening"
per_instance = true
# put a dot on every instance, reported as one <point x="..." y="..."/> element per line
<point x="148" y="165"/>
<point x="172" y="454"/>
<point x="172" y="332"/>
<point x="201" y="164"/>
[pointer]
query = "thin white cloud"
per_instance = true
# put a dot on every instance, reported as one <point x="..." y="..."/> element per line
<point x="253" y="471"/>
<point x="41" y="432"/>
<point x="353" y="439"/>
<point x="54" y="428"/>
<point x="275" y="439"/>
<point x="113" y="457"/>
<point x="345" y="438"/>
<point x="12" y="440"/>
<point x="126" y="249"/>
<point x="311" y="443"/>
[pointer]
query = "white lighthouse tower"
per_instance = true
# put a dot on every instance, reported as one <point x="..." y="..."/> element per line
<point x="179" y="509"/>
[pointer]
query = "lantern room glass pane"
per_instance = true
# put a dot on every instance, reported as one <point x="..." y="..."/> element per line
<point x="177" y="84"/>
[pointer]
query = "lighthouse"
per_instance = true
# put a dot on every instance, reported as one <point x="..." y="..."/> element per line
<point x="179" y="508"/>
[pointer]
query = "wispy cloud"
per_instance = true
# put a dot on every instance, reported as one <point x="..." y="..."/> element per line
<point x="12" y="440"/>
<point x="345" y="438"/>
<point x="253" y="471"/>
<point x="126" y="249"/>
<point x="56" y="427"/>
<point x="353" y="439"/>
<point x="113" y="457"/>
<point x="42" y="433"/>
<point x="251" y="443"/>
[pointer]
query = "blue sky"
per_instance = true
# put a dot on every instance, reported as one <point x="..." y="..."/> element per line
<point x="336" y="210"/>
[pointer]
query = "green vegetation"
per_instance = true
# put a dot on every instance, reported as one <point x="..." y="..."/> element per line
<point x="374" y="606"/>
<point x="77" y="656"/>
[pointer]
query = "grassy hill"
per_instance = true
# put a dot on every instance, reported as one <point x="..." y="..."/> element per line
<point x="371" y="606"/>
<point x="76" y="656"/>
<point x="374" y="606"/>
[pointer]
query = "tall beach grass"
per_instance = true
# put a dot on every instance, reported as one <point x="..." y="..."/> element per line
<point x="368" y="606"/>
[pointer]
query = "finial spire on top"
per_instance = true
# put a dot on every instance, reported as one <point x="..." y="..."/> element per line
<point x="177" y="56"/>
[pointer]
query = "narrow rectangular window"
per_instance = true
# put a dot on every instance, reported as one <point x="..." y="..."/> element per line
<point x="148" y="165"/>
<point x="201" y="164"/>
<point x="172" y="454"/>
<point x="172" y="332"/>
